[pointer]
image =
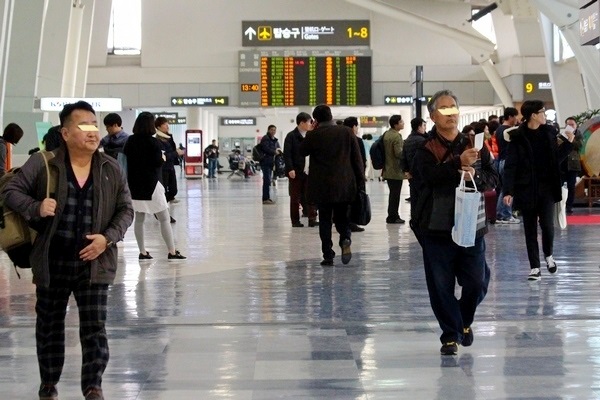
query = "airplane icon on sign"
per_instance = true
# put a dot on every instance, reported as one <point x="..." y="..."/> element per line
<point x="264" y="33"/>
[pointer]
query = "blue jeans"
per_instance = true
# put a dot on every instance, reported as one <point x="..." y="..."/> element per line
<point x="267" y="170"/>
<point x="212" y="167"/>
<point x="444" y="263"/>
<point x="502" y="210"/>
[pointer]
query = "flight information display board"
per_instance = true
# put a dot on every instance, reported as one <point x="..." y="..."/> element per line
<point x="281" y="78"/>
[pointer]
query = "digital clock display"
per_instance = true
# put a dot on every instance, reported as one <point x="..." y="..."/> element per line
<point x="292" y="78"/>
<point x="249" y="87"/>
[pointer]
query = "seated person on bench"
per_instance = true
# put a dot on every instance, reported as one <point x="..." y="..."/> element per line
<point x="238" y="164"/>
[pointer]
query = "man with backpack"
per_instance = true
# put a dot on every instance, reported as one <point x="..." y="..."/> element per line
<point x="75" y="250"/>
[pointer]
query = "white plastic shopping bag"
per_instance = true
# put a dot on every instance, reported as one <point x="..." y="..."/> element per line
<point x="560" y="212"/>
<point x="466" y="210"/>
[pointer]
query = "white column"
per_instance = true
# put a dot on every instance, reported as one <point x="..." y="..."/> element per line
<point x="75" y="23"/>
<point x="52" y="49"/>
<point x="6" y="11"/>
<point x="194" y="118"/>
<point x="21" y="31"/>
<point x="84" y="47"/>
<point x="570" y="96"/>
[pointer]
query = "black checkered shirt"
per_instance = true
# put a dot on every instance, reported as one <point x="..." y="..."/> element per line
<point x="75" y="222"/>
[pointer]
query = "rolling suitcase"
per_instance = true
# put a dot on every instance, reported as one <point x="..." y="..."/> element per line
<point x="490" y="198"/>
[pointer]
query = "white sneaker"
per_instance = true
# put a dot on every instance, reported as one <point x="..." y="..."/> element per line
<point x="512" y="220"/>
<point x="534" y="275"/>
<point x="551" y="264"/>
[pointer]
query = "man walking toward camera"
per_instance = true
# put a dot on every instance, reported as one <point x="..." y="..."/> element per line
<point x="437" y="169"/>
<point x="75" y="250"/>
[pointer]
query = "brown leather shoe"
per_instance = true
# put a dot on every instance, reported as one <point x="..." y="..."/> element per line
<point x="94" y="394"/>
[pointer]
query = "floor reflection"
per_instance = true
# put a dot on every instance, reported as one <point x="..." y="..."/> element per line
<point x="252" y="315"/>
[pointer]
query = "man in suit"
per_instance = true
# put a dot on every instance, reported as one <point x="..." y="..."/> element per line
<point x="295" y="169"/>
<point x="336" y="173"/>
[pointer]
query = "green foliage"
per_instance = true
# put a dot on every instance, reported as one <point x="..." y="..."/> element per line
<point x="584" y="116"/>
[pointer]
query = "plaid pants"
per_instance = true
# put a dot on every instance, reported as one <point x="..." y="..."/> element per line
<point x="51" y="308"/>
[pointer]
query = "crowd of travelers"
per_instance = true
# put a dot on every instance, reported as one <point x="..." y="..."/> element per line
<point x="522" y="163"/>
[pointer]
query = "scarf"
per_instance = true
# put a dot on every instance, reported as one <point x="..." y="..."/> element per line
<point x="163" y="135"/>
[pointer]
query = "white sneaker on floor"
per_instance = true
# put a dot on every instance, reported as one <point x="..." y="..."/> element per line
<point x="551" y="264"/>
<point x="534" y="275"/>
<point x="512" y="220"/>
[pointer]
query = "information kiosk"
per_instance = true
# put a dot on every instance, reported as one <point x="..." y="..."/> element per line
<point x="193" y="159"/>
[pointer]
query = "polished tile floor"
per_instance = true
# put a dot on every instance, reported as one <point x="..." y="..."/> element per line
<point x="252" y="316"/>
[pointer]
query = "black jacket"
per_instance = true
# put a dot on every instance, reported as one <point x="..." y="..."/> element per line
<point x="363" y="153"/>
<point x="269" y="146"/>
<point x="520" y="177"/>
<point x="170" y="148"/>
<point x="294" y="160"/>
<point x="336" y="168"/>
<point x="411" y="144"/>
<point x="435" y="177"/>
<point x="144" y="162"/>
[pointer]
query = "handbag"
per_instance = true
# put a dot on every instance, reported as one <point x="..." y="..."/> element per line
<point x="16" y="236"/>
<point x="560" y="210"/>
<point x="469" y="209"/>
<point x="360" y="209"/>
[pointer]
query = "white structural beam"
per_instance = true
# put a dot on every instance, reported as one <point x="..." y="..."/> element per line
<point x="477" y="46"/>
<point x="565" y="15"/>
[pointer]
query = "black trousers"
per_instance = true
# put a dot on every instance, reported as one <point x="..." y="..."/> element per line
<point x="542" y="211"/>
<point x="395" y="186"/>
<point x="169" y="181"/>
<point x="338" y="214"/>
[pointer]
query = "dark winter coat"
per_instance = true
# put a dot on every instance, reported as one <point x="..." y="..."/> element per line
<point x="411" y="144"/>
<point x="520" y="177"/>
<point x="269" y="146"/>
<point x="336" y="170"/>
<point x="436" y="175"/>
<point x="294" y="160"/>
<point x="144" y="162"/>
<point x="113" y="212"/>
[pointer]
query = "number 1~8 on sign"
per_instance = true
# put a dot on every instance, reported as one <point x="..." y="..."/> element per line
<point x="362" y="32"/>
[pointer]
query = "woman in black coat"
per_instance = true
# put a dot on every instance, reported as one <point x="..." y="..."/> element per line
<point x="144" y="167"/>
<point x="531" y="181"/>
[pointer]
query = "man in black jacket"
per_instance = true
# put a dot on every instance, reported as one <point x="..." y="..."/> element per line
<point x="411" y="144"/>
<point x="269" y="146"/>
<point x="437" y="169"/>
<point x="532" y="181"/>
<point x="296" y="170"/>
